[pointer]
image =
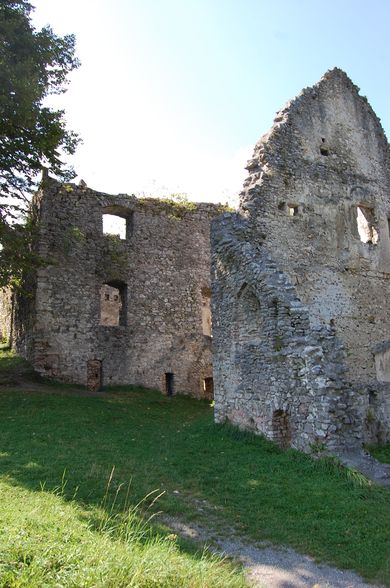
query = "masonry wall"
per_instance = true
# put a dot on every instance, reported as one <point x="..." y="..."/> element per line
<point x="319" y="273"/>
<point x="160" y="272"/>
<point x="6" y="312"/>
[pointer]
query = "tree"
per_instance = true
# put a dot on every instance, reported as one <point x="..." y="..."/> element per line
<point x="33" y="64"/>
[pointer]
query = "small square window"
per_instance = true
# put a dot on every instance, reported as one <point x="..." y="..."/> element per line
<point x="292" y="209"/>
<point x="114" y="225"/>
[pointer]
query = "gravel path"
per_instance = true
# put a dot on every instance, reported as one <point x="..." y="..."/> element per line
<point x="366" y="464"/>
<point x="270" y="567"/>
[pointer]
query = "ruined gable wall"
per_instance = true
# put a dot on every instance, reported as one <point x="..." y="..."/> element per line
<point x="162" y="267"/>
<point x="340" y="278"/>
<point x="313" y="374"/>
<point x="274" y="373"/>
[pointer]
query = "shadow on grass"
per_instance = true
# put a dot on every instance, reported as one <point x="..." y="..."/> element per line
<point x="204" y="472"/>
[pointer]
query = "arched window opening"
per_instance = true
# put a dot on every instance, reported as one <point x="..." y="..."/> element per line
<point x="281" y="431"/>
<point x="208" y="388"/>
<point x="113" y="304"/>
<point x="117" y="221"/>
<point x="365" y="223"/>
<point x="206" y="312"/>
<point x="247" y="326"/>
<point x="114" y="225"/>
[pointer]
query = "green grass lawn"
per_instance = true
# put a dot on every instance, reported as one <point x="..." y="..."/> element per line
<point x="206" y="472"/>
<point x="381" y="453"/>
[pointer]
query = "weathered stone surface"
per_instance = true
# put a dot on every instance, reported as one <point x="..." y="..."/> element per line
<point x="301" y="277"/>
<point x="139" y="305"/>
<point x="6" y="312"/>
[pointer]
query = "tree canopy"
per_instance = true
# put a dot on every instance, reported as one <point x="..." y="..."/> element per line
<point x="33" y="64"/>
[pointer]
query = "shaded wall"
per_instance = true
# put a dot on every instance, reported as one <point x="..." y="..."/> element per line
<point x="160" y="271"/>
<point x="324" y="163"/>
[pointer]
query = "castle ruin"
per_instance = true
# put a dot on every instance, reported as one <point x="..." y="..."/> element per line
<point x="300" y="283"/>
<point x="126" y="308"/>
<point x="301" y="278"/>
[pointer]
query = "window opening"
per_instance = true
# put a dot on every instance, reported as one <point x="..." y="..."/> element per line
<point x="94" y="375"/>
<point x="365" y="224"/>
<point x="323" y="149"/>
<point x="113" y="304"/>
<point x="382" y="365"/>
<point x="292" y="209"/>
<point x="169" y="383"/>
<point x="206" y="312"/>
<point x="114" y="225"/>
<point x="117" y="221"/>
<point x="208" y="388"/>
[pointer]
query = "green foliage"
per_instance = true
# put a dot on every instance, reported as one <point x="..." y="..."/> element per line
<point x="179" y="205"/>
<point x="73" y="236"/>
<point x="226" y="208"/>
<point x="47" y="540"/>
<point x="176" y="205"/>
<point x="207" y="472"/>
<point x="33" y="64"/>
<point x="381" y="453"/>
<point x="17" y="256"/>
<point x="115" y="250"/>
<point x="14" y="369"/>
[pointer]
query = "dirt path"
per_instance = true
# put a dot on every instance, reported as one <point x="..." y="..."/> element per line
<point x="366" y="464"/>
<point x="270" y="567"/>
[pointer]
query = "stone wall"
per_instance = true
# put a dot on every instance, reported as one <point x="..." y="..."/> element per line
<point x="127" y="310"/>
<point x="301" y="277"/>
<point x="6" y="304"/>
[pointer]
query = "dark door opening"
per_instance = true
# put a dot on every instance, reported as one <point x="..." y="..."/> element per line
<point x="281" y="428"/>
<point x="208" y="388"/>
<point x="94" y="375"/>
<point x="169" y="383"/>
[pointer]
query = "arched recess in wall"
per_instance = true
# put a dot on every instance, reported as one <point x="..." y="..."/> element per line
<point x="113" y="304"/>
<point x="281" y="431"/>
<point x="117" y="221"/>
<point x="363" y="213"/>
<point x="206" y="311"/>
<point x="247" y="319"/>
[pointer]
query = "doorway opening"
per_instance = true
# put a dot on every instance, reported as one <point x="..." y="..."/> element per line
<point x="169" y="383"/>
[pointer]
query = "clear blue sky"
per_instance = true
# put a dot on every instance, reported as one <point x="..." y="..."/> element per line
<point x="172" y="94"/>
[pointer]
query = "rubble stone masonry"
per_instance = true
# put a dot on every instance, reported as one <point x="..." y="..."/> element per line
<point x="119" y="309"/>
<point x="301" y="278"/>
<point x="300" y="284"/>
